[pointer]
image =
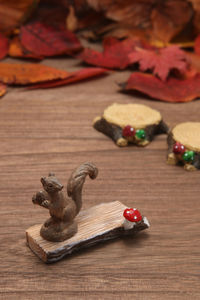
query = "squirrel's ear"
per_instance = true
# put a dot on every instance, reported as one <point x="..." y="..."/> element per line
<point x="51" y="174"/>
<point x="42" y="180"/>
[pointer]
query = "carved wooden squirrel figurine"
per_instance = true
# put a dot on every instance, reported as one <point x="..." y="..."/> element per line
<point x="61" y="225"/>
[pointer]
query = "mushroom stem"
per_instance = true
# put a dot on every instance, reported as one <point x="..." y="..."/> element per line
<point x="128" y="224"/>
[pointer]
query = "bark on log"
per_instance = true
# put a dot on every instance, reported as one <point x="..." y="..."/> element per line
<point x="115" y="132"/>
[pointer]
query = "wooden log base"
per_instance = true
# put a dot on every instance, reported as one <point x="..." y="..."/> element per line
<point x="188" y="135"/>
<point x="117" y="116"/>
<point x="96" y="224"/>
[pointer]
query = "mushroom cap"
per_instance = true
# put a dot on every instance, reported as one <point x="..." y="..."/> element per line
<point x="132" y="215"/>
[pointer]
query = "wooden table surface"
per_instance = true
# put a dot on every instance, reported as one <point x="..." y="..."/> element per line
<point x="51" y="130"/>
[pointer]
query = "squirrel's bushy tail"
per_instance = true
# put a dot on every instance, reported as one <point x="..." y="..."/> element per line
<point x="76" y="181"/>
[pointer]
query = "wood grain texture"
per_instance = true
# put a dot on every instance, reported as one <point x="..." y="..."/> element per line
<point x="51" y="130"/>
<point x="96" y="224"/>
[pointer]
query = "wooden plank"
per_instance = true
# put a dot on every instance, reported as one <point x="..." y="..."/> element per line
<point x="96" y="224"/>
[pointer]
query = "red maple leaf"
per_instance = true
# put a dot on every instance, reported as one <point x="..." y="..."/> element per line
<point x="160" y="61"/>
<point x="171" y="90"/>
<point x="114" y="55"/>
<point x="45" y="40"/>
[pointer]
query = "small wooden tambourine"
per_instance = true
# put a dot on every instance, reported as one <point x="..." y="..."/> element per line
<point x="130" y="124"/>
<point x="184" y="146"/>
<point x="64" y="232"/>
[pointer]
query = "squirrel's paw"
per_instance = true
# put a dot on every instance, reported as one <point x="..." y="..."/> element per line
<point x="38" y="198"/>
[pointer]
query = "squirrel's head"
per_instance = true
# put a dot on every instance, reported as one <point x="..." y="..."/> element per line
<point x="51" y="184"/>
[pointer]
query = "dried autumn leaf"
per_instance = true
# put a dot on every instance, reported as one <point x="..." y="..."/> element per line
<point x="159" y="19"/>
<point x="196" y="18"/>
<point x="76" y="76"/>
<point x="44" y="40"/>
<point x="135" y="12"/>
<point x="128" y="16"/>
<point x="3" y="46"/>
<point x="13" y="13"/>
<point x="169" y="18"/>
<point x="52" y="13"/>
<point x="172" y="90"/>
<point x="22" y="74"/>
<point x="197" y="45"/>
<point x="2" y="89"/>
<point x="17" y="50"/>
<point x="194" y="60"/>
<point x="161" y="61"/>
<point x="114" y="56"/>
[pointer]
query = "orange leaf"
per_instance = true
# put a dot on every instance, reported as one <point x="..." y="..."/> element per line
<point x="76" y="76"/>
<point x="23" y="74"/>
<point x="2" y="89"/>
<point x="161" y="61"/>
<point x="172" y="90"/>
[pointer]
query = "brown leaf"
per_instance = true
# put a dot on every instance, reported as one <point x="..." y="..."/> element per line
<point x="196" y="18"/>
<point x="160" y="20"/>
<point x="17" y="50"/>
<point x="120" y="31"/>
<point x="81" y="16"/>
<point x="172" y="90"/>
<point x="44" y="40"/>
<point x="3" y="46"/>
<point x="161" y="61"/>
<point x="13" y="12"/>
<point x="2" y="89"/>
<point x="22" y="74"/>
<point x="169" y="18"/>
<point x="136" y="13"/>
<point x="76" y="76"/>
<point x="128" y="15"/>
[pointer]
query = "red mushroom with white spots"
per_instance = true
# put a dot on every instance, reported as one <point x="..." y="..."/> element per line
<point x="132" y="216"/>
